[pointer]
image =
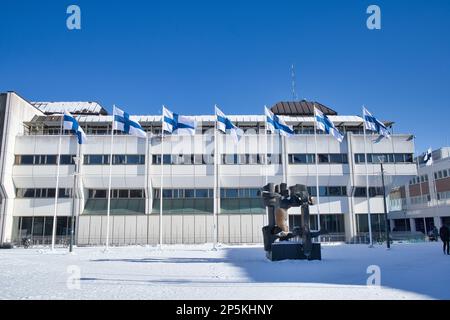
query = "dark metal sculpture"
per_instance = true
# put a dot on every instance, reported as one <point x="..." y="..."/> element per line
<point x="295" y="244"/>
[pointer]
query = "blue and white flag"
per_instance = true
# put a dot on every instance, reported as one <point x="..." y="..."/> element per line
<point x="428" y="157"/>
<point x="71" y="124"/>
<point x="326" y="125"/>
<point x="373" y="124"/>
<point x="276" y="124"/>
<point x="122" y="122"/>
<point x="174" y="123"/>
<point x="225" y="125"/>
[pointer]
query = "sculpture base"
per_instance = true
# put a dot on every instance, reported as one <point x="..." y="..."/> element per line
<point x="289" y="250"/>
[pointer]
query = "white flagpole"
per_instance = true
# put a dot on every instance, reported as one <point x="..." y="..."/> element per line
<point x="266" y="161"/>
<point x="216" y="183"/>
<point x="367" y="186"/>
<point x="161" y="183"/>
<point x="58" y="161"/>
<point x="317" y="172"/>
<point x="108" y="209"/>
<point x="284" y="158"/>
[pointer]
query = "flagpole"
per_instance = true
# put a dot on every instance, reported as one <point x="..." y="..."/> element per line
<point x="58" y="162"/>
<point x="108" y="209"/>
<point x="161" y="183"/>
<point x="367" y="187"/>
<point x="266" y="161"/>
<point x="216" y="183"/>
<point x="72" y="221"/>
<point x="317" y="173"/>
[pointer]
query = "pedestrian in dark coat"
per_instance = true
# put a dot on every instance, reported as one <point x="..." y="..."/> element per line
<point x="444" y="233"/>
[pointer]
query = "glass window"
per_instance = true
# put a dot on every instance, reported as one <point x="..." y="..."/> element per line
<point x="252" y="159"/>
<point x="230" y="158"/>
<point x="123" y="193"/>
<point x="51" y="159"/>
<point x="167" y="193"/>
<point x="231" y="193"/>
<point x="243" y="193"/>
<point x="299" y="158"/>
<point x="409" y="158"/>
<point x="198" y="159"/>
<point x="99" y="194"/>
<point x="64" y="193"/>
<point x="136" y="193"/>
<point x="119" y="159"/>
<point x="66" y="159"/>
<point x="399" y="158"/>
<point x="156" y="159"/>
<point x="254" y="193"/>
<point x="134" y="159"/>
<point x="189" y="193"/>
<point x="26" y="159"/>
<point x="324" y="158"/>
<point x="29" y="193"/>
<point x="167" y="159"/>
<point x="187" y="159"/>
<point x="95" y="159"/>
<point x="334" y="191"/>
<point x="201" y="193"/>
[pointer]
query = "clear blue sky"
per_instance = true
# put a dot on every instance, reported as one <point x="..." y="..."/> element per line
<point x="190" y="55"/>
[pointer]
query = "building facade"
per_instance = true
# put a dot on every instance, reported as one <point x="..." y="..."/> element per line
<point x="424" y="201"/>
<point x="183" y="165"/>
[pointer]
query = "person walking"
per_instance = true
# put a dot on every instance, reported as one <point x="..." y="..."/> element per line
<point x="444" y="233"/>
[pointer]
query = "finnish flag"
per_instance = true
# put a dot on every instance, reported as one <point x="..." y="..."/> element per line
<point x="276" y="124"/>
<point x="71" y="124"/>
<point x="373" y="124"/>
<point x="325" y="124"/>
<point x="122" y="122"/>
<point x="174" y="123"/>
<point x="226" y="126"/>
<point x="428" y="157"/>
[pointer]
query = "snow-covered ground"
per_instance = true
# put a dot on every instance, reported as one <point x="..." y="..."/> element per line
<point x="408" y="271"/>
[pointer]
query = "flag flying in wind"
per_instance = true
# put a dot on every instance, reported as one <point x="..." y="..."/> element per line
<point x="326" y="125"/>
<point x="373" y="124"/>
<point x="225" y="125"/>
<point x="71" y="124"/>
<point x="276" y="124"/>
<point x="122" y="122"/>
<point x="174" y="123"/>
<point x="428" y="157"/>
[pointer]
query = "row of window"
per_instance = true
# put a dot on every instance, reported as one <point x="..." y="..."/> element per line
<point x="384" y="158"/>
<point x="361" y="192"/>
<point x="420" y="199"/>
<point x="44" y="159"/>
<point x="116" y="193"/>
<point x="118" y="159"/>
<point x="442" y="174"/>
<point x="199" y="159"/>
<point x="43" y="193"/>
<point x="417" y="180"/>
<point x="333" y="191"/>
<point x="304" y="158"/>
<point x="207" y="193"/>
<point x="444" y="195"/>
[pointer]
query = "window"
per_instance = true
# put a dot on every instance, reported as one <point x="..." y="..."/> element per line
<point x="361" y="192"/>
<point x="119" y="159"/>
<point x="324" y="158"/>
<point x="136" y="194"/>
<point x="189" y="193"/>
<point x="201" y="193"/>
<point x="26" y="160"/>
<point x="67" y="159"/>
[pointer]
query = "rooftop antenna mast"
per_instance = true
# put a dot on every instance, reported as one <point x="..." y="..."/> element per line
<point x="294" y="94"/>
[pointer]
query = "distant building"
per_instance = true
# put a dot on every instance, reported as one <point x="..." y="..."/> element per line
<point x="425" y="201"/>
<point x="29" y="143"/>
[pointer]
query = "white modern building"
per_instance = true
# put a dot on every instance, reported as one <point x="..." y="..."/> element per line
<point x="424" y="201"/>
<point x="29" y="136"/>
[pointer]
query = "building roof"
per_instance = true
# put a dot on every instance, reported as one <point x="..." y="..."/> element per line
<point x="78" y="108"/>
<point x="300" y="108"/>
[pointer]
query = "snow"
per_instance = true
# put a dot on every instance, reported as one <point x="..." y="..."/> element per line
<point x="408" y="271"/>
